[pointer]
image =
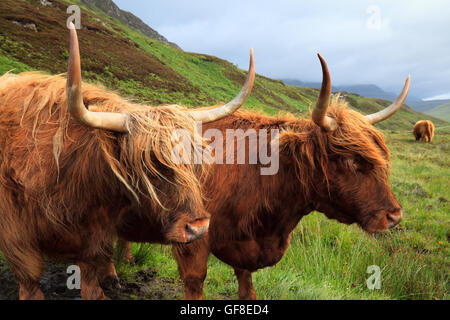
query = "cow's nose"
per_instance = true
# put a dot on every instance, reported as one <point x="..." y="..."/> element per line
<point x="393" y="218"/>
<point x="196" y="230"/>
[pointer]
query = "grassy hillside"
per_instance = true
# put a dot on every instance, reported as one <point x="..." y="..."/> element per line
<point x="147" y="70"/>
<point x="442" y="111"/>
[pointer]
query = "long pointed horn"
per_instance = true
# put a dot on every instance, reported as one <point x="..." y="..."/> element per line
<point x="218" y="113"/>
<point x="393" y="108"/>
<point x="101" y="120"/>
<point x="319" y="114"/>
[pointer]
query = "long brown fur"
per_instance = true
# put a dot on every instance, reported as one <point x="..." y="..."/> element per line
<point x="343" y="174"/>
<point x="57" y="176"/>
<point x="309" y="148"/>
<point x="423" y="130"/>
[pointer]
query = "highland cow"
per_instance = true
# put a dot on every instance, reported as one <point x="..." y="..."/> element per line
<point x="336" y="163"/>
<point x="71" y="157"/>
<point x="423" y="130"/>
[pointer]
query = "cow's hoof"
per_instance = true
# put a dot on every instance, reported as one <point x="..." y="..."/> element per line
<point x="111" y="283"/>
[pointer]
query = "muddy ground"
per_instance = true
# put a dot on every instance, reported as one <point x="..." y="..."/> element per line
<point x="145" y="284"/>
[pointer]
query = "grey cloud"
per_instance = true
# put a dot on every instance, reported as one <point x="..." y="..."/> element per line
<point x="412" y="38"/>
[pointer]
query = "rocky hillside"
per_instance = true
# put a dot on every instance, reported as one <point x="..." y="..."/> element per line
<point x="33" y="36"/>
<point x="129" y="19"/>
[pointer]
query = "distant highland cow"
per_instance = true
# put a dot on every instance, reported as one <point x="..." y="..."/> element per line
<point x="424" y="130"/>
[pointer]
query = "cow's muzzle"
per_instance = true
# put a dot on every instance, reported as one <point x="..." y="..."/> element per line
<point x="393" y="218"/>
<point x="196" y="230"/>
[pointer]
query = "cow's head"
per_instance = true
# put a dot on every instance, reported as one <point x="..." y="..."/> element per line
<point x="138" y="148"/>
<point x="347" y="161"/>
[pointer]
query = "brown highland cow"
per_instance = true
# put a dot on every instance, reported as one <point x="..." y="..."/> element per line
<point x="69" y="163"/>
<point x="337" y="163"/>
<point x="423" y="130"/>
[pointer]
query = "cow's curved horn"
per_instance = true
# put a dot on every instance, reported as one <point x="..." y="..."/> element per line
<point x="319" y="114"/>
<point x="101" y="120"/>
<point x="393" y="108"/>
<point x="210" y="115"/>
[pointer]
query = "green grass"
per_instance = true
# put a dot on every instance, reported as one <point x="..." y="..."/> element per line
<point x="9" y="64"/>
<point x="329" y="260"/>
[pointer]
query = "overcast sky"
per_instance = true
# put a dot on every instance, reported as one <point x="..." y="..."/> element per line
<point x="363" y="42"/>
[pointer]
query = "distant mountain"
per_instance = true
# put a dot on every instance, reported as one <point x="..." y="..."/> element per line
<point x="366" y="90"/>
<point x="423" y="106"/>
<point x="369" y="90"/>
<point x="442" y="111"/>
<point x="299" y="83"/>
<point x="112" y="10"/>
<point x="372" y="91"/>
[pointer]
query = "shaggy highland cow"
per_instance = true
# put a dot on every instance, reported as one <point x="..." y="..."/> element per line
<point x="72" y="157"/>
<point x="423" y="130"/>
<point x="337" y="163"/>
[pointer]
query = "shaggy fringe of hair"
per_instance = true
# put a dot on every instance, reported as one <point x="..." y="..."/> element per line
<point x="148" y="143"/>
<point x="55" y="171"/>
<point x="151" y="135"/>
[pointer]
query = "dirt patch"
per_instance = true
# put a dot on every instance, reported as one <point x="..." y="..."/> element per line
<point x="144" y="285"/>
<point x="413" y="190"/>
<point x="9" y="289"/>
<point x="147" y="285"/>
<point x="418" y="191"/>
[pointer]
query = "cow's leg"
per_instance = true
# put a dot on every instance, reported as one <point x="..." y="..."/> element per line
<point x="107" y="275"/>
<point x="105" y="269"/>
<point x="90" y="288"/>
<point x="29" y="285"/>
<point x="30" y="291"/>
<point x="192" y="262"/>
<point x="27" y="266"/>
<point x="124" y="248"/>
<point x="246" y="290"/>
<point x="29" y="288"/>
